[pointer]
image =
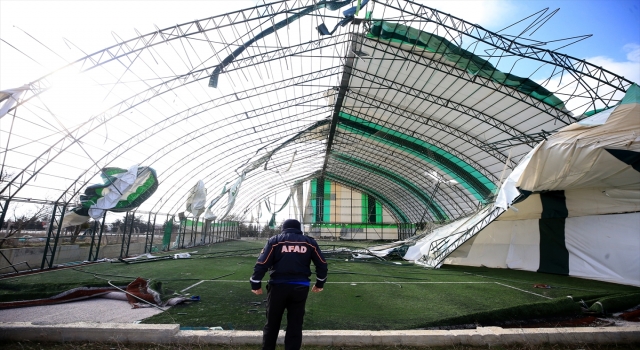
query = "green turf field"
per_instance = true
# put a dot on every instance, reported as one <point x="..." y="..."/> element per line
<point x="120" y="346"/>
<point x="359" y="294"/>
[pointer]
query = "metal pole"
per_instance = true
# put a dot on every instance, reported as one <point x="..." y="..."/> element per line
<point x="163" y="227"/>
<point x="3" y="214"/>
<point x="104" y="220"/>
<point x="57" y="225"/>
<point x="146" y="235"/>
<point x="153" y="231"/>
<point x="124" y="233"/>
<point x="184" y="231"/>
<point x="426" y="210"/>
<point x="133" y="218"/>
<point x="93" y="238"/>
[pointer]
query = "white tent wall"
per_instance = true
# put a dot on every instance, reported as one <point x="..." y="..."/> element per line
<point x="605" y="247"/>
<point x="601" y="236"/>
<point x="584" y="218"/>
<point x="499" y="241"/>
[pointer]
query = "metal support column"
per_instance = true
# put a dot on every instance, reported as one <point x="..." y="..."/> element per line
<point x="183" y="228"/>
<point x="92" y="256"/>
<point x="194" y="231"/>
<point x="426" y="210"/>
<point x="166" y="222"/>
<point x="205" y="229"/>
<point x="149" y="240"/>
<point x="3" y="211"/>
<point x="55" y="225"/>
<point x="126" y="234"/>
<point x="146" y="235"/>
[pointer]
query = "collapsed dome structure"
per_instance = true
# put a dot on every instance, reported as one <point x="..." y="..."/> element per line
<point x="423" y="111"/>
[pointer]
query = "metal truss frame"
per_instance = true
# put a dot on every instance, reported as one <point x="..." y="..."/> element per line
<point x="440" y="249"/>
<point x="93" y="256"/>
<point x="576" y="67"/>
<point x="346" y="47"/>
<point x="53" y="233"/>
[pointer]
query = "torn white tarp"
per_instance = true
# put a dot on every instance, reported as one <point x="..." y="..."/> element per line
<point x="9" y="98"/>
<point x="197" y="199"/>
<point x="509" y="191"/>
<point x="233" y="193"/>
<point x="209" y="215"/>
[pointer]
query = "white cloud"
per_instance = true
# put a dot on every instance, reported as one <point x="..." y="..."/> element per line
<point x="581" y="102"/>
<point x="633" y="52"/>
<point x="488" y="14"/>
<point x="629" y="69"/>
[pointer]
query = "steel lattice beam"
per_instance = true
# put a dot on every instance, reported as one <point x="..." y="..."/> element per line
<point x="580" y="68"/>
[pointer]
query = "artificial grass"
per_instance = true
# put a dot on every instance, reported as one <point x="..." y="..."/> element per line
<point x="615" y="303"/>
<point x="359" y="295"/>
<point x="121" y="346"/>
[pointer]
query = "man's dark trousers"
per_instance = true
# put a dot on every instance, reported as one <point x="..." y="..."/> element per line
<point x="291" y="297"/>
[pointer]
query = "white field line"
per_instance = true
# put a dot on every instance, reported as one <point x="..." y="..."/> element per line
<point x="522" y="290"/>
<point x="399" y="282"/>
<point x="386" y="282"/>
<point x="191" y="286"/>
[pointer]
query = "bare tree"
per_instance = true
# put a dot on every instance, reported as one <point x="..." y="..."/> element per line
<point x="79" y="228"/>
<point x="28" y="219"/>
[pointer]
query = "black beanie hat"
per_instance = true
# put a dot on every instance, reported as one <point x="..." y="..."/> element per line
<point x="291" y="223"/>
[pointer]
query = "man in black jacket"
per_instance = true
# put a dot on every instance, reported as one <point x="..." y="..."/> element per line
<point x="287" y="257"/>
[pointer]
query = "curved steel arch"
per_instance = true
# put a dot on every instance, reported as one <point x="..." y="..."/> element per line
<point x="128" y="104"/>
<point x="237" y="163"/>
<point x="188" y="115"/>
<point x="428" y="202"/>
<point x="400" y="160"/>
<point x="423" y="149"/>
<point x="577" y="66"/>
<point x="445" y="103"/>
<point x="131" y="49"/>
<point x="395" y="211"/>
<point x="438" y="65"/>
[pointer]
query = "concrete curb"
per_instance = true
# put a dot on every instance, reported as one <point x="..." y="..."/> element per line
<point x="171" y="333"/>
<point x="89" y="331"/>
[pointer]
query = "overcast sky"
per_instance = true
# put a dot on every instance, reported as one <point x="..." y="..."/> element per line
<point x="93" y="25"/>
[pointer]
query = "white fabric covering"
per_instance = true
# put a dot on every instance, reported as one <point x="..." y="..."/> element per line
<point x="530" y="208"/>
<point x="577" y="156"/>
<point x="197" y="199"/>
<point x="508" y="191"/>
<point x="601" y="247"/>
<point x="524" y="249"/>
<point x="72" y="219"/>
<point x="593" y="201"/>
<point x="489" y="247"/>
<point x="605" y="247"/>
